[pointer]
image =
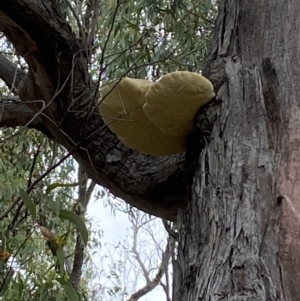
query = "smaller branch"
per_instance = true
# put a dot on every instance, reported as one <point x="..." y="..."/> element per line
<point x="76" y="273"/>
<point x="93" y="25"/>
<point x="156" y="280"/>
<point x="90" y="191"/>
<point x="167" y="287"/>
<point x="166" y="290"/>
<point x="15" y="113"/>
<point x="84" y="198"/>
<point x="170" y="231"/>
<point x="108" y="36"/>
<point x="33" y="165"/>
<point x="6" y="281"/>
<point x="10" y="73"/>
<point x="40" y="178"/>
<point x="137" y="255"/>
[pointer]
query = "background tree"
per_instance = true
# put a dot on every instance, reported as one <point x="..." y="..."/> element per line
<point x="138" y="263"/>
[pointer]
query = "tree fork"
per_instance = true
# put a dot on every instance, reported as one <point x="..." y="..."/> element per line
<point x="58" y="78"/>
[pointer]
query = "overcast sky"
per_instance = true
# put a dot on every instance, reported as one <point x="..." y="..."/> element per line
<point x="115" y="228"/>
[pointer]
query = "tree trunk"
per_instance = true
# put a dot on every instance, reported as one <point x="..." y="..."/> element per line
<point x="239" y="237"/>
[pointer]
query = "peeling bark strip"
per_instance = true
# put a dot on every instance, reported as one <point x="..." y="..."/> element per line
<point x="237" y="240"/>
<point x="59" y="83"/>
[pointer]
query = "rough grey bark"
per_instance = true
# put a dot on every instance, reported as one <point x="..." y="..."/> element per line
<point x="59" y="88"/>
<point x="239" y="236"/>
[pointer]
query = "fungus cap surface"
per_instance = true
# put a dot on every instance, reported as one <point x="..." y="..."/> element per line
<point x="121" y="105"/>
<point x="173" y="102"/>
<point x="121" y="110"/>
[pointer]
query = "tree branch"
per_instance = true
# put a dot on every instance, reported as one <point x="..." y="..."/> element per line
<point x="14" y="112"/>
<point x="9" y="73"/>
<point x="58" y="75"/>
<point x="83" y="200"/>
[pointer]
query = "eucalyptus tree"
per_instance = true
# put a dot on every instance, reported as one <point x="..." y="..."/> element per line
<point x="233" y="193"/>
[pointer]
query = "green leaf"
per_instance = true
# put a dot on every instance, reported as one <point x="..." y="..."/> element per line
<point x="28" y="202"/>
<point x="61" y="260"/>
<point x="77" y="221"/>
<point x="54" y="206"/>
<point x="21" y="288"/>
<point x="69" y="290"/>
<point x="58" y="297"/>
<point x="6" y="283"/>
<point x="64" y="7"/>
<point x="42" y="289"/>
<point x="132" y="25"/>
<point x="57" y="184"/>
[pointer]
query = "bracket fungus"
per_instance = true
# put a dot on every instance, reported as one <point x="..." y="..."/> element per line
<point x="155" y="117"/>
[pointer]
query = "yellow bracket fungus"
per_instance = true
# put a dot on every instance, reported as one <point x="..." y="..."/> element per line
<point x="155" y="118"/>
<point x="173" y="102"/>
